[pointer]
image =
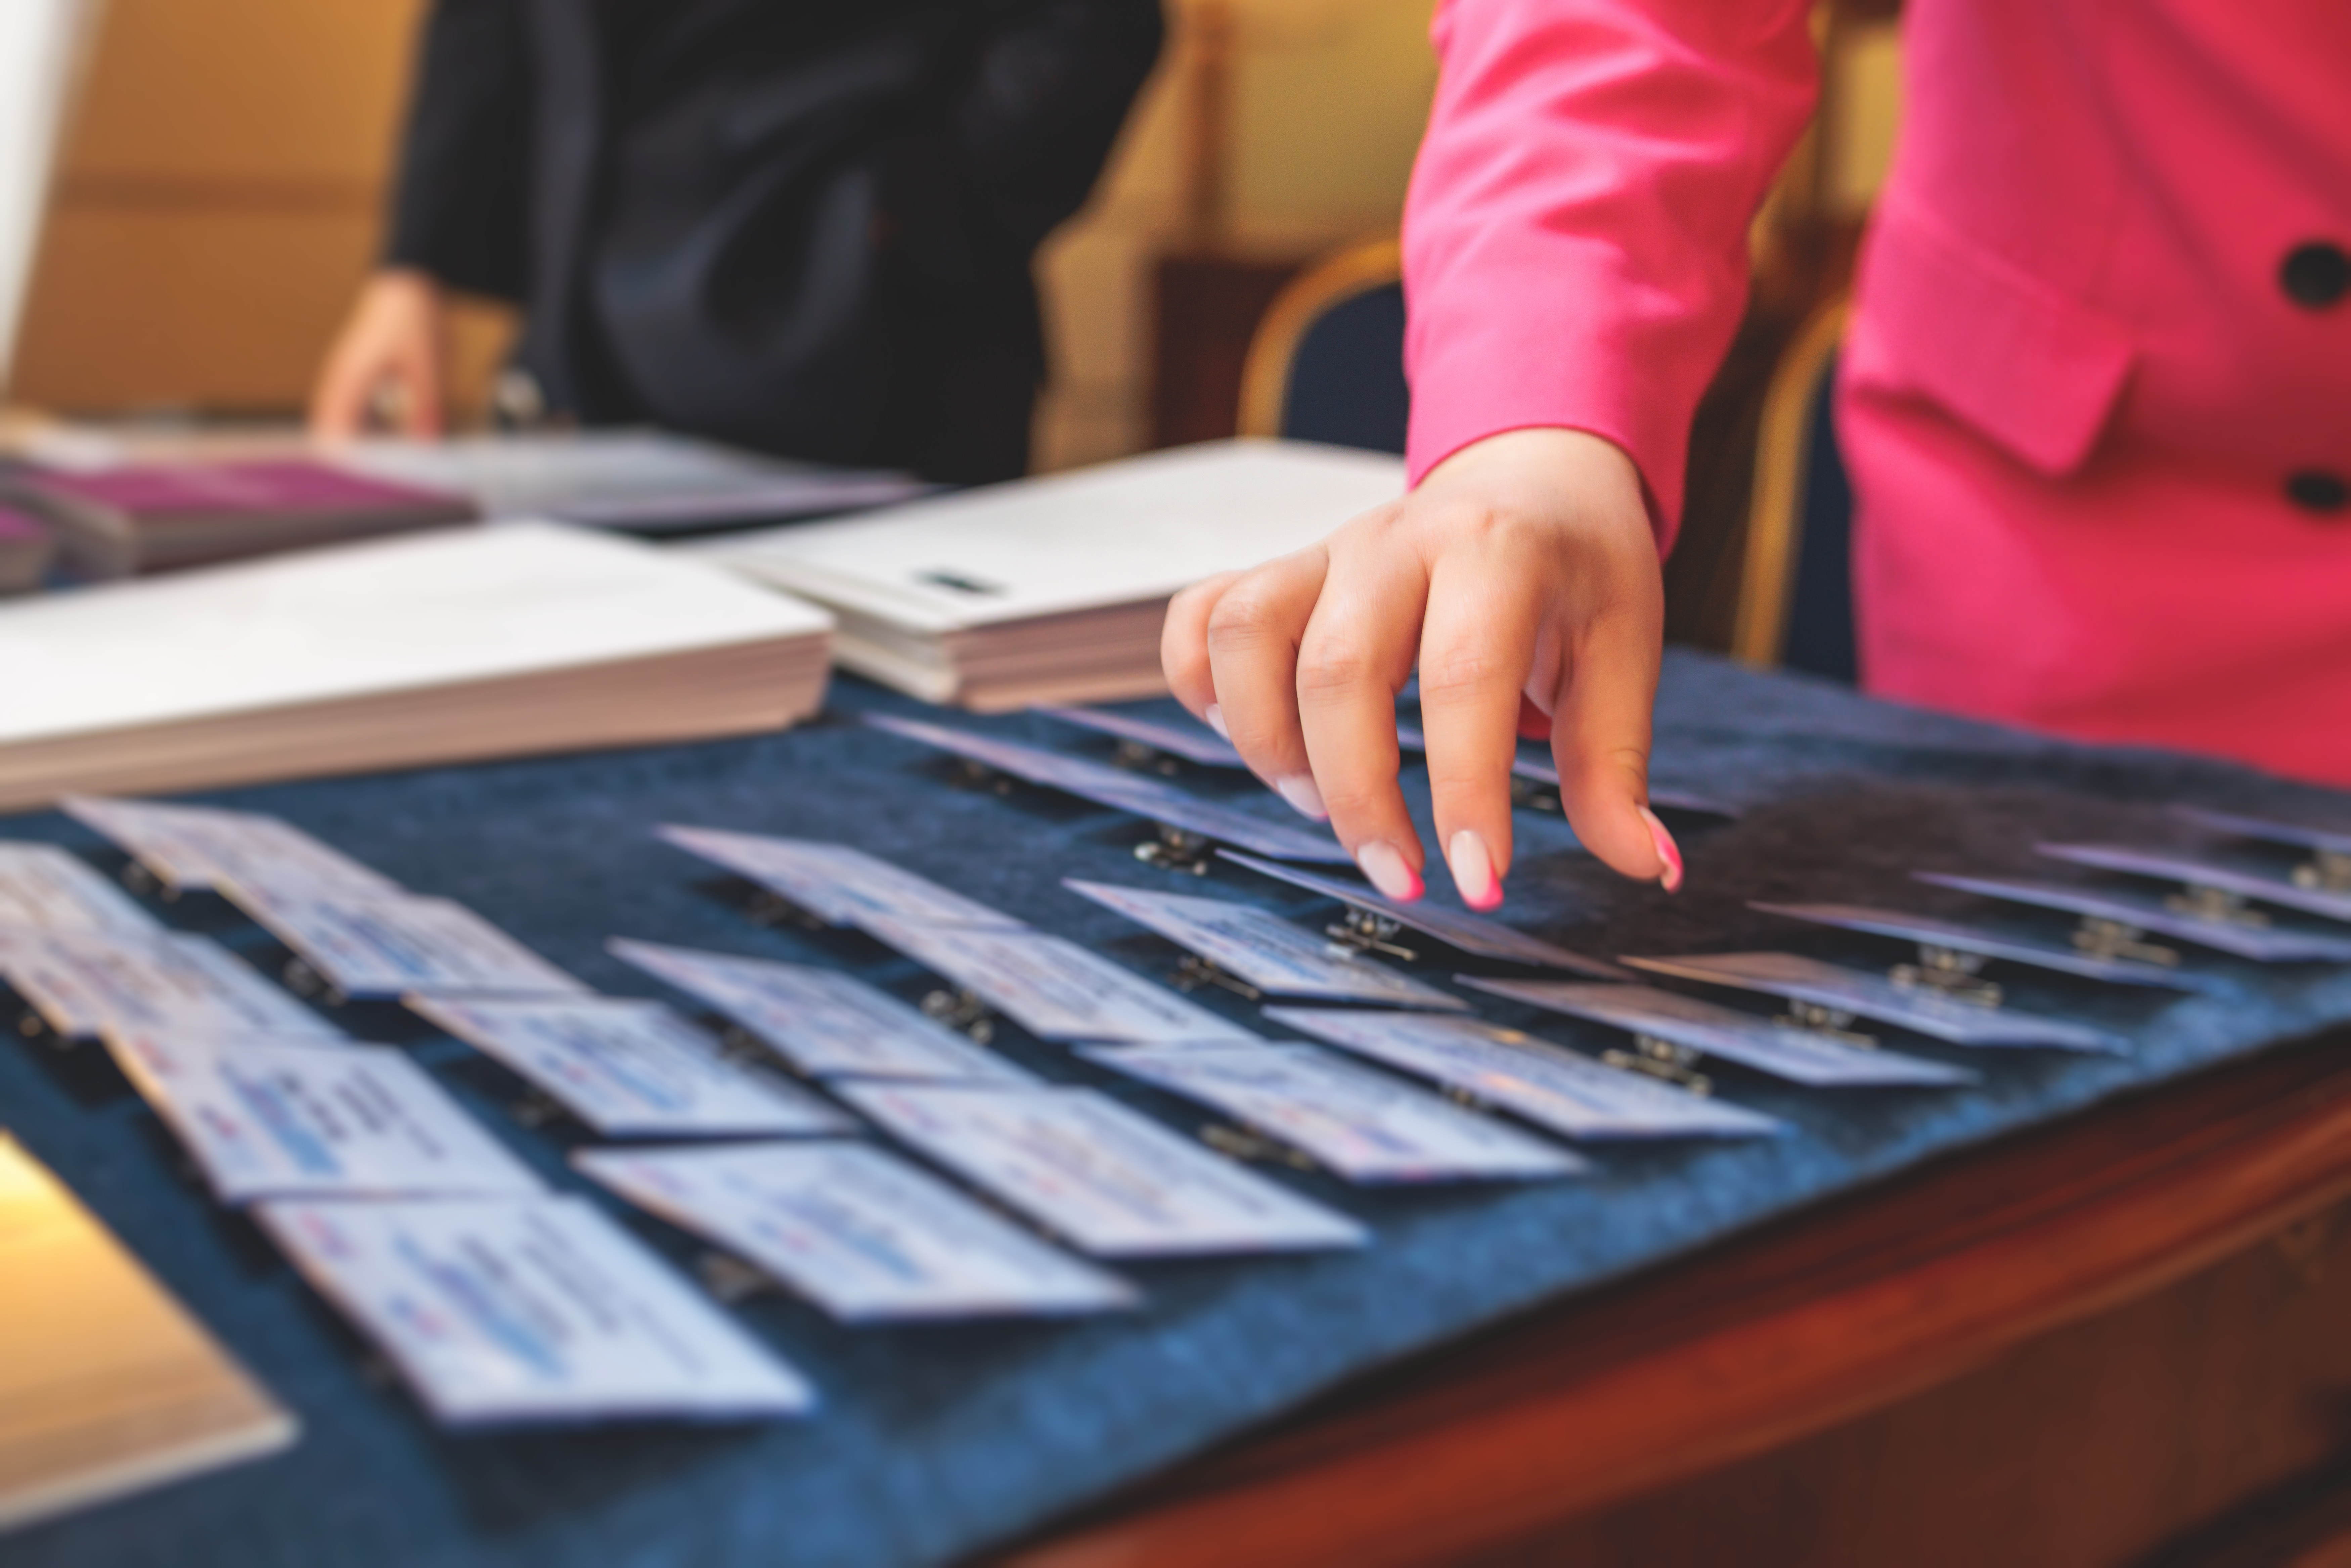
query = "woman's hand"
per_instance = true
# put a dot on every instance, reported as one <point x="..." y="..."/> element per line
<point x="387" y="363"/>
<point x="1522" y="579"/>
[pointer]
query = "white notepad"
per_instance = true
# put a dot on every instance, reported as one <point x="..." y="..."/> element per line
<point x="271" y="1118"/>
<point x="630" y="1069"/>
<point x="825" y="1023"/>
<point x="863" y="1234"/>
<point x="530" y="1310"/>
<point x="1112" y="1182"/>
<point x="45" y="888"/>
<point x="86" y="982"/>
<point x="381" y="947"/>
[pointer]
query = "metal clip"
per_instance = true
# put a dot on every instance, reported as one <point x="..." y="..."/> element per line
<point x="969" y="773"/>
<point x="1369" y="931"/>
<point x="1950" y="973"/>
<point x="1142" y="758"/>
<point x="145" y="884"/>
<point x="1177" y="849"/>
<point x="2103" y="938"/>
<point x="534" y="1109"/>
<point x="961" y="1010"/>
<point x="1814" y="1019"/>
<point x="768" y="907"/>
<point x="1533" y="795"/>
<point x="1242" y="1144"/>
<point x="731" y="1280"/>
<point x="2217" y="904"/>
<point x="1195" y="972"/>
<point x="1662" y="1059"/>
<point x="312" y="985"/>
<point x="2328" y="871"/>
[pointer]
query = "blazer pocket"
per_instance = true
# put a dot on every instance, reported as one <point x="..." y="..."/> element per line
<point x="2035" y="372"/>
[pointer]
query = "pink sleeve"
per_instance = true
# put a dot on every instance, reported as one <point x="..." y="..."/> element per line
<point x="1575" y="238"/>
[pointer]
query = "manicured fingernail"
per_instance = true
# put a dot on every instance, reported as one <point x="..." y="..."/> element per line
<point x="1304" y="798"/>
<point x="1215" y="714"/>
<point x="1386" y="866"/>
<point x="1667" y="851"/>
<point x="1473" y="871"/>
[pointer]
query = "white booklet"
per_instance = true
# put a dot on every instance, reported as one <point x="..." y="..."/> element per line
<point x="1056" y="990"/>
<point x="197" y="847"/>
<point x="837" y="884"/>
<point x="1267" y="952"/>
<point x="86" y="982"/>
<point x="45" y="888"/>
<point x="630" y="1069"/>
<point x="1112" y="1182"/>
<point x="825" y="1023"/>
<point x="1532" y="1078"/>
<point x="272" y="1118"/>
<point x="1359" y="1124"/>
<point x="509" y="1311"/>
<point x="371" y="946"/>
<point x="863" y="1234"/>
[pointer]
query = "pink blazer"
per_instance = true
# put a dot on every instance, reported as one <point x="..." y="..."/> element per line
<point x="2096" y="397"/>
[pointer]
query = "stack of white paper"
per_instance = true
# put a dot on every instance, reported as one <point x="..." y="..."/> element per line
<point x="1052" y="590"/>
<point x="433" y="647"/>
<point x="526" y="1310"/>
<point x="863" y="1234"/>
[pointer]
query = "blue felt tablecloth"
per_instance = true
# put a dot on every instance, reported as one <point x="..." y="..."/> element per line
<point x="937" y="1441"/>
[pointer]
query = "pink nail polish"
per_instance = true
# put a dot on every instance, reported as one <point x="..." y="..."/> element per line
<point x="1214" y="715"/>
<point x="1473" y="871"/>
<point x="1385" y="865"/>
<point x="1304" y="796"/>
<point x="1667" y="851"/>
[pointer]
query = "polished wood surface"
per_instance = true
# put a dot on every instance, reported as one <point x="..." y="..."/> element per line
<point x="2071" y="1347"/>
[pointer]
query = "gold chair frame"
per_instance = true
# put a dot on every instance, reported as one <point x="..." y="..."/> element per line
<point x="1336" y="278"/>
<point x="1775" y="513"/>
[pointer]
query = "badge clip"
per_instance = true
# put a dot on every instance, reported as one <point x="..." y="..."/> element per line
<point x="2328" y="871"/>
<point x="1195" y="972"/>
<point x="1239" y="1144"/>
<point x="1834" y="1022"/>
<point x="1367" y="930"/>
<point x="145" y="884"/>
<point x="1533" y="795"/>
<point x="533" y="1109"/>
<point x="768" y="907"/>
<point x="2104" y="938"/>
<point x="970" y="773"/>
<point x="1177" y="849"/>
<point x="962" y="1012"/>
<point x="312" y="985"/>
<point x="731" y="1280"/>
<point x="1140" y="756"/>
<point x="2217" y="904"/>
<point x="1663" y="1059"/>
<point x="1950" y="973"/>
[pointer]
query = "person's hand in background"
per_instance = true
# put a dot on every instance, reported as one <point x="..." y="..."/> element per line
<point x="1521" y="578"/>
<point x="386" y="369"/>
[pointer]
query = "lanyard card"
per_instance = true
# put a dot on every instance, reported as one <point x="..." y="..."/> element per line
<point x="2268" y="830"/>
<point x="45" y="888"/>
<point x="1265" y="952"/>
<point x="864" y="1234"/>
<point x="1532" y="1079"/>
<point x="1056" y="990"/>
<point x="268" y="1118"/>
<point x="84" y="984"/>
<point x="1838" y="992"/>
<point x="629" y="1068"/>
<point x="1534" y="770"/>
<point x="824" y="1023"/>
<point x="1375" y="920"/>
<point x="199" y="847"/>
<point x="372" y="948"/>
<point x="1191" y="741"/>
<point x="2215" y="890"/>
<point x="1122" y="791"/>
<point x="1939" y="939"/>
<point x="1701" y="1029"/>
<point x="1359" y="1124"/>
<point x="2114" y="921"/>
<point x="1112" y="1182"/>
<point x="511" y="1310"/>
<point x="836" y="884"/>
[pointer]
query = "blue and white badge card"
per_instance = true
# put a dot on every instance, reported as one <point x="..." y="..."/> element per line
<point x="630" y="1069"/>
<point x="377" y="947"/>
<point x="271" y="1118"/>
<point x="1868" y="996"/>
<point x="1056" y="990"/>
<point x="1265" y="951"/>
<point x="1359" y="1125"/>
<point x="1532" y="1079"/>
<point x="1151" y="799"/>
<point x="1111" y="1181"/>
<point x="1192" y="741"/>
<point x="1799" y="1055"/>
<point x="865" y="1235"/>
<point x="196" y="847"/>
<point x="1472" y="934"/>
<point x="2269" y="830"/>
<point x="824" y="1023"/>
<point x="1536" y="770"/>
<point x="2189" y="871"/>
<point x="45" y="888"/>
<point x="2236" y="934"/>
<point x="837" y="884"/>
<point x="1958" y="936"/>
<point x="84" y="984"/>
<point x="519" y="1311"/>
